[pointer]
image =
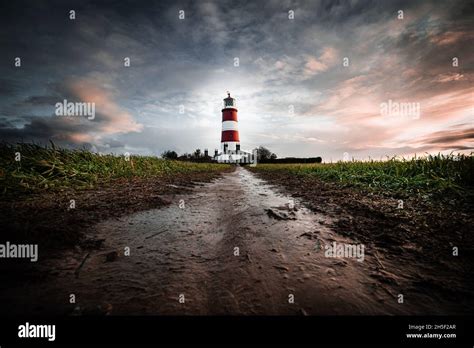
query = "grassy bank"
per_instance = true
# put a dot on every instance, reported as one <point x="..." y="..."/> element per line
<point x="429" y="175"/>
<point x="42" y="169"/>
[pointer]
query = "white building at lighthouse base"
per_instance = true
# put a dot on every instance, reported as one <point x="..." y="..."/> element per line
<point x="236" y="156"/>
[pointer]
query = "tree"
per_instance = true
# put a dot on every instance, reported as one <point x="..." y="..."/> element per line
<point x="168" y="154"/>
<point x="197" y="154"/>
<point x="185" y="157"/>
<point x="265" y="154"/>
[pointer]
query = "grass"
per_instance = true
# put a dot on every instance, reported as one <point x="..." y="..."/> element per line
<point x="51" y="168"/>
<point x="439" y="174"/>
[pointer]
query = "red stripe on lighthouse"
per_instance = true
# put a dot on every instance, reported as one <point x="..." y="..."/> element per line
<point x="230" y="135"/>
<point x="229" y="115"/>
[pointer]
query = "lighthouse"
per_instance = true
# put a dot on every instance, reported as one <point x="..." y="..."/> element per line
<point x="230" y="132"/>
<point x="230" y="141"/>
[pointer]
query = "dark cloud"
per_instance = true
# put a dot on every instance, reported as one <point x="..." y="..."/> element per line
<point x="450" y="136"/>
<point x="9" y="87"/>
<point x="41" y="100"/>
<point x="45" y="128"/>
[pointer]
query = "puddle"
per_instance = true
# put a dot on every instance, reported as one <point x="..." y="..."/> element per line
<point x="237" y="247"/>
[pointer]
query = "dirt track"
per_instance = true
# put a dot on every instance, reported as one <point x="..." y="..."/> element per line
<point x="190" y="250"/>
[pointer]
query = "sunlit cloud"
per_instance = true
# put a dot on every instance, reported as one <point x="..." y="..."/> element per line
<point x="112" y="118"/>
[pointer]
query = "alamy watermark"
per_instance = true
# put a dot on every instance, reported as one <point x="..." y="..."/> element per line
<point x="66" y="108"/>
<point x="22" y="251"/>
<point x="342" y="250"/>
<point x="28" y="330"/>
<point x="409" y="110"/>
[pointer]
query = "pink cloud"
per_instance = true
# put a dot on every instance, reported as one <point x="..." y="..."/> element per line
<point x="354" y="105"/>
<point x="322" y="63"/>
<point x="449" y="77"/>
<point x="449" y="37"/>
<point x="112" y="118"/>
<point x="314" y="66"/>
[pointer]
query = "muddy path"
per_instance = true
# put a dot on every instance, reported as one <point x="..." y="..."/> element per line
<point x="235" y="246"/>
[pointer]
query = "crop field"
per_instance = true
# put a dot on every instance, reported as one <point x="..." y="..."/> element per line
<point x="436" y="175"/>
<point x="29" y="168"/>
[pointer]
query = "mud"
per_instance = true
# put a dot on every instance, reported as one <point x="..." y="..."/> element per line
<point x="235" y="246"/>
<point x="47" y="219"/>
<point x="418" y="238"/>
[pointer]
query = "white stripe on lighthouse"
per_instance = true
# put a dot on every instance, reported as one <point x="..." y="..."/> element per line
<point x="229" y="125"/>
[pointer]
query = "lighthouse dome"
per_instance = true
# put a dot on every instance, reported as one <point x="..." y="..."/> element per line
<point x="229" y="102"/>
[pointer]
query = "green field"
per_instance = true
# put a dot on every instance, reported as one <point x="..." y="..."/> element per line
<point x="440" y="174"/>
<point x="50" y="168"/>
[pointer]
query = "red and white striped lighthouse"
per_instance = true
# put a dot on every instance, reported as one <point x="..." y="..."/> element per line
<point x="230" y="132"/>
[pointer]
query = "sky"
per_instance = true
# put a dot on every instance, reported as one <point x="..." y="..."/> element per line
<point x="336" y="79"/>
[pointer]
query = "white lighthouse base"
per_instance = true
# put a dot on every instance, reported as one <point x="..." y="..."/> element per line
<point x="238" y="157"/>
<point x="229" y="146"/>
